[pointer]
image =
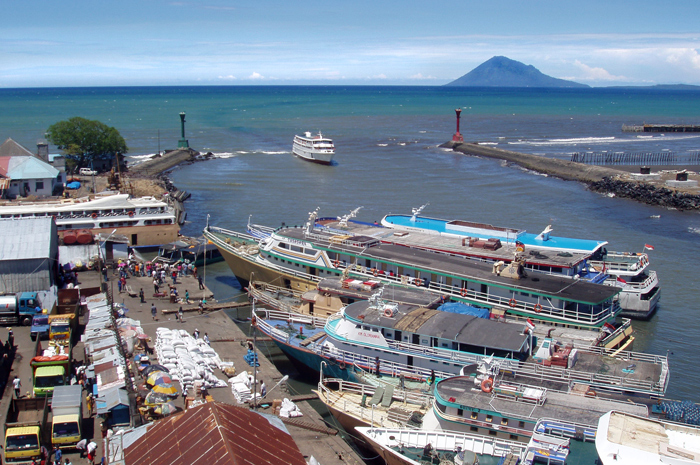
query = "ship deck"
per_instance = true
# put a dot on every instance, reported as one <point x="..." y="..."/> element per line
<point x="395" y="293"/>
<point x="430" y="262"/>
<point x="558" y="405"/>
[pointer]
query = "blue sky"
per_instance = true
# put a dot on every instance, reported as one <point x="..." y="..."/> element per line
<point x="216" y="42"/>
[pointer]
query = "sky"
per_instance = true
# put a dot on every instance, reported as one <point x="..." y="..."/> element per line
<point x="49" y="43"/>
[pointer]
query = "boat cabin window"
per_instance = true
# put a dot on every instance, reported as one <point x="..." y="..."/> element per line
<point x="389" y="335"/>
<point x="460" y="412"/>
<point x="282" y="245"/>
<point x="493" y="432"/>
<point x="504" y="421"/>
<point x="521" y="424"/>
<point x="474" y="416"/>
<point x="489" y="418"/>
<point x="473" y="429"/>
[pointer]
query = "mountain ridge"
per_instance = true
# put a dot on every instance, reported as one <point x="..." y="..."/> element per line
<point x="500" y="71"/>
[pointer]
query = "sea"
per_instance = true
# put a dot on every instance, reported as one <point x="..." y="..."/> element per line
<point x="389" y="160"/>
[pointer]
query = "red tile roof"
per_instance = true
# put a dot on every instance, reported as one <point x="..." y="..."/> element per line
<point x="214" y="434"/>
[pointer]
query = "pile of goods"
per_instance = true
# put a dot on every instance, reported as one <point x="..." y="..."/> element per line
<point x="188" y="359"/>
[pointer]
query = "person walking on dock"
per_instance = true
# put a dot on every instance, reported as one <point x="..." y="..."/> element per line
<point x="181" y="315"/>
<point x="17" y="384"/>
<point x="201" y="284"/>
<point x="141" y="296"/>
<point x="206" y="339"/>
<point x="154" y="311"/>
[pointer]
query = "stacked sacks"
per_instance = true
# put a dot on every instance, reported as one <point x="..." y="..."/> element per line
<point x="240" y="387"/>
<point x="288" y="409"/>
<point x="187" y="358"/>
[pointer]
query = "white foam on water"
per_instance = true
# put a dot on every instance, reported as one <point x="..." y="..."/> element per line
<point x="382" y="145"/>
<point x="693" y="230"/>
<point x="487" y="143"/>
<point x="572" y="141"/>
<point x="273" y="153"/>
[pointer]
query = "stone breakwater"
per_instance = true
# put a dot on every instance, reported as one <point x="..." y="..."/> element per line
<point x="647" y="193"/>
<point x="598" y="178"/>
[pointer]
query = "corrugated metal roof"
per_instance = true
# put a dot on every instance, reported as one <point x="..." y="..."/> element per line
<point x="214" y="434"/>
<point x="19" y="168"/>
<point x="26" y="238"/>
<point x="10" y="148"/>
<point x="111" y="398"/>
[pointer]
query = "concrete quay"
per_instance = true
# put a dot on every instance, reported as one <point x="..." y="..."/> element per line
<point x="309" y="432"/>
<point x="229" y="341"/>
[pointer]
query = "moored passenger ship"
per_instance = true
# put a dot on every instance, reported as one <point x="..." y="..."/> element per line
<point x="145" y="221"/>
<point x="543" y="252"/>
<point x="298" y="257"/>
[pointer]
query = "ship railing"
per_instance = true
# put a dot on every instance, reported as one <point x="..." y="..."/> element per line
<point x="213" y="234"/>
<point x="404" y="396"/>
<point x="262" y="292"/>
<point x="536" y="310"/>
<point x="651" y="279"/>
<point x="622" y="262"/>
<point x="449" y="440"/>
<point x="540" y="310"/>
<point x="566" y="428"/>
<point x="627" y="355"/>
<point x="387" y="367"/>
<point x="292" y="317"/>
<point x="607" y="382"/>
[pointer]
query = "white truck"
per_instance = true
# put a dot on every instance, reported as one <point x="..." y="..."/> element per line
<point x="87" y="172"/>
<point x="67" y="416"/>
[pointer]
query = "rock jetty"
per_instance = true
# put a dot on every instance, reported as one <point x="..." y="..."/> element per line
<point x="598" y="178"/>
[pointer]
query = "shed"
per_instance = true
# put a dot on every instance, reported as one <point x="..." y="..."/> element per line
<point x="28" y="254"/>
<point x="226" y="435"/>
<point x="114" y="404"/>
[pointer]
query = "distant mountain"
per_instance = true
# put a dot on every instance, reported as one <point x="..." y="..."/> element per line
<point x="504" y="72"/>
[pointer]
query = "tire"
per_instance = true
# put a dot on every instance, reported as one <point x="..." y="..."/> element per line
<point x="33" y="336"/>
<point x="26" y="321"/>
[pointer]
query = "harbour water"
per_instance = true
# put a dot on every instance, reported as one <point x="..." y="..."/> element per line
<point x="388" y="160"/>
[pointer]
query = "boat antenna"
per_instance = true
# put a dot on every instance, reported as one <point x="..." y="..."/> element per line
<point x="343" y="220"/>
<point x="309" y="226"/>
<point x="416" y="211"/>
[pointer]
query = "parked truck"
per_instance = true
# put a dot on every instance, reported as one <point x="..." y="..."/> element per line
<point x="19" y="308"/>
<point x="40" y="327"/>
<point x="50" y="368"/>
<point x="67" y="416"/>
<point x="25" y="430"/>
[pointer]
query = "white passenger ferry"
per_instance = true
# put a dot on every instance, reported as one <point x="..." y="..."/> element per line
<point x="145" y="221"/>
<point x="317" y="149"/>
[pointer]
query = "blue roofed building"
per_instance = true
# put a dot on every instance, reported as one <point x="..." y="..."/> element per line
<point x="23" y="174"/>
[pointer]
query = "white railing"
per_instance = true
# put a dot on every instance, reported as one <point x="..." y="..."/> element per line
<point x="536" y="370"/>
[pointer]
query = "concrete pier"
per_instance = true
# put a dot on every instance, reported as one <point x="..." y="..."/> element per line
<point x="563" y="169"/>
<point x="310" y="433"/>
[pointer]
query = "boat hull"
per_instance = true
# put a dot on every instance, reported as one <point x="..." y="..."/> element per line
<point x="320" y="158"/>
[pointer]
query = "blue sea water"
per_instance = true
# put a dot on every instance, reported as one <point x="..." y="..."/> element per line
<point x="388" y="160"/>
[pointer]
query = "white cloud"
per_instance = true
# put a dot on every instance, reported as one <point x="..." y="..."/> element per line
<point x="379" y="76"/>
<point x="230" y="77"/>
<point x="420" y="76"/>
<point x="256" y="76"/>
<point x="596" y="74"/>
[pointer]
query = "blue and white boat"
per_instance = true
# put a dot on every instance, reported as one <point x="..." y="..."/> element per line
<point x="587" y="259"/>
<point x="418" y="343"/>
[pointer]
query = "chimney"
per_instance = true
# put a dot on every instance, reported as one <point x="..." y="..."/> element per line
<point x="42" y="151"/>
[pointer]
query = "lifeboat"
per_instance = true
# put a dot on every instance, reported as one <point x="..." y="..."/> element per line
<point x="70" y="237"/>
<point x="84" y="236"/>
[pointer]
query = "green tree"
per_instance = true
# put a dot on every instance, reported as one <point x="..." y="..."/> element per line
<point x="85" y="140"/>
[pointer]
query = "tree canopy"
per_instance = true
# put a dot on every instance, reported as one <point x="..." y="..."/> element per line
<point x="85" y="140"/>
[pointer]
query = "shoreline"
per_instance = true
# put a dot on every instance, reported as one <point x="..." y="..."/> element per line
<point x="605" y="180"/>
